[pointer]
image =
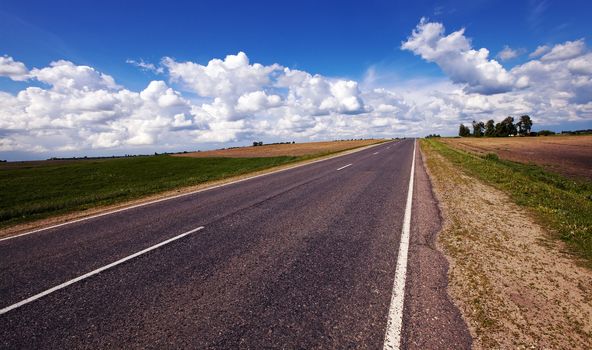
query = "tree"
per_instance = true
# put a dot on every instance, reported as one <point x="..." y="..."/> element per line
<point x="490" y="128"/>
<point x="524" y="125"/>
<point x="478" y="128"/>
<point x="464" y="131"/>
<point x="505" y="128"/>
<point x="509" y="126"/>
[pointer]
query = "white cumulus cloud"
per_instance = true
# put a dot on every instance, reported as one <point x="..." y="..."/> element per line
<point x="455" y="55"/>
<point x="228" y="78"/>
<point x="13" y="69"/>
<point x="66" y="75"/>
<point x="256" y="101"/>
<point x="569" y="49"/>
<point x="507" y="53"/>
<point x="77" y="108"/>
<point x="146" y="66"/>
<point x="539" y="51"/>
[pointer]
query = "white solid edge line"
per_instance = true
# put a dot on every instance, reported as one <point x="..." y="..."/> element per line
<point x="94" y="272"/>
<point x="343" y="167"/>
<point x="186" y="194"/>
<point x="392" y="339"/>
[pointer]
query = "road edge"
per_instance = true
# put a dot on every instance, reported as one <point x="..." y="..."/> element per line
<point x="394" y="328"/>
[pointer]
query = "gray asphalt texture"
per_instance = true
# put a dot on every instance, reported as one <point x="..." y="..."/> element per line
<point x="303" y="258"/>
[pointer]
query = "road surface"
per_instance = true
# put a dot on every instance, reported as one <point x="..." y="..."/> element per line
<point x="302" y="258"/>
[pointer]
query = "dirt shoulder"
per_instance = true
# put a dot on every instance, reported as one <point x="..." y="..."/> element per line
<point x="60" y="219"/>
<point x="514" y="284"/>
<point x="431" y="319"/>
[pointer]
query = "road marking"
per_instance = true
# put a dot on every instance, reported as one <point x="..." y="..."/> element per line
<point x="343" y="167"/>
<point x="392" y="338"/>
<point x="375" y="152"/>
<point x="94" y="272"/>
<point x="188" y="193"/>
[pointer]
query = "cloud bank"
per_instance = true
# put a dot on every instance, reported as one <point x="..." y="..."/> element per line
<point x="68" y="108"/>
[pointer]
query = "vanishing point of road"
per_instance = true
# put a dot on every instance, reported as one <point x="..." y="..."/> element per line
<point x="334" y="254"/>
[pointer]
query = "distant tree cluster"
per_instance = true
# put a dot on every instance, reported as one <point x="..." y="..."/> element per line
<point x="432" y="136"/>
<point x="502" y="129"/>
<point x="260" y="143"/>
<point x="281" y="143"/>
<point x="577" y="132"/>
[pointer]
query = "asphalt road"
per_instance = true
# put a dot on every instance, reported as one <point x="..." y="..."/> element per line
<point x="303" y="258"/>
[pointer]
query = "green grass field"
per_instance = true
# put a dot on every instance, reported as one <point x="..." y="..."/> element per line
<point x="561" y="204"/>
<point x="36" y="190"/>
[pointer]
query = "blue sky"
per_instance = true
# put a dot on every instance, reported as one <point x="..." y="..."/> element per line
<point x="333" y="38"/>
<point x="337" y="40"/>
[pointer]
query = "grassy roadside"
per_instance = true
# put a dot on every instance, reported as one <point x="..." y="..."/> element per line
<point x="514" y="284"/>
<point x="32" y="193"/>
<point x="561" y="204"/>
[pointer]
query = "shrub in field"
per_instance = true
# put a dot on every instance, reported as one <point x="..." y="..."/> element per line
<point x="491" y="156"/>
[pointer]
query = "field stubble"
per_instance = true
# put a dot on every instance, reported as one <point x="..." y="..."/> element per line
<point x="275" y="150"/>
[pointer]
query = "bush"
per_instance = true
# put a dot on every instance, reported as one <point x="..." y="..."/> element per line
<point x="491" y="156"/>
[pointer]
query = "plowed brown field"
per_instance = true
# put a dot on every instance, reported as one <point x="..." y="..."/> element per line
<point x="568" y="155"/>
<point x="296" y="149"/>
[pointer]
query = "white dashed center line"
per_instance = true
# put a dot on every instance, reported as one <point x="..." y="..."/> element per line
<point x="94" y="272"/>
<point x="343" y="167"/>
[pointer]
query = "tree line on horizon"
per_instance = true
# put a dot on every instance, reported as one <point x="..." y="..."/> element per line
<point x="502" y="129"/>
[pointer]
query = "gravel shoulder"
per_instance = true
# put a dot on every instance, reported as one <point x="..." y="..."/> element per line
<point x="514" y="284"/>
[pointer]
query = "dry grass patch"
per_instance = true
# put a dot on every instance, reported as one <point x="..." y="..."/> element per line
<point x="514" y="284"/>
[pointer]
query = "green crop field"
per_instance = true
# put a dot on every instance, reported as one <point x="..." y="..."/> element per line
<point x="34" y="190"/>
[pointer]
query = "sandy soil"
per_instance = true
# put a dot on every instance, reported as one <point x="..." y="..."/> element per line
<point x="515" y="285"/>
<point x="297" y="149"/>
<point x="567" y="155"/>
